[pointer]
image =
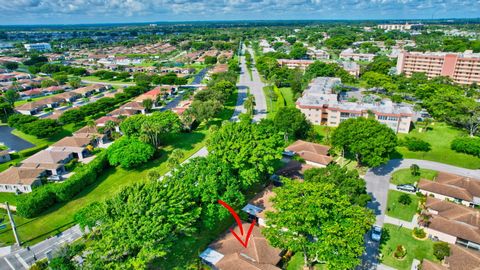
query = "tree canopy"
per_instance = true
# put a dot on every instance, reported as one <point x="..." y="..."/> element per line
<point x="370" y="141"/>
<point x="129" y="152"/>
<point x="319" y="221"/>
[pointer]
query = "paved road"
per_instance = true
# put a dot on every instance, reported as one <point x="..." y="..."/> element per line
<point x="11" y="141"/>
<point x="255" y="85"/>
<point x="23" y="258"/>
<point x="378" y="184"/>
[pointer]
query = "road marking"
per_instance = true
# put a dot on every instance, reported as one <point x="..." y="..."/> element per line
<point x="22" y="261"/>
<point x="9" y="264"/>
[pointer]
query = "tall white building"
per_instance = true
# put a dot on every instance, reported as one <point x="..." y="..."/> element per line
<point x="39" y="47"/>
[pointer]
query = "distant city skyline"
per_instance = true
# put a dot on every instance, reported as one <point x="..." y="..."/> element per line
<point x="136" y="11"/>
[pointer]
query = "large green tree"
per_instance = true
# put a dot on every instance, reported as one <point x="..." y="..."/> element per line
<point x="370" y="141"/>
<point x="247" y="148"/>
<point x="139" y="225"/>
<point x="129" y="152"/>
<point x="347" y="181"/>
<point x="317" y="220"/>
<point x="292" y="122"/>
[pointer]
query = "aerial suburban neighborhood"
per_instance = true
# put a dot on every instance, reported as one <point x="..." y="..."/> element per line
<point x="140" y="137"/>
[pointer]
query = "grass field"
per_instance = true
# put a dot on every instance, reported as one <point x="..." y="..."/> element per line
<point x="296" y="263"/>
<point x="440" y="136"/>
<point x="288" y="96"/>
<point x="404" y="176"/>
<point x="393" y="236"/>
<point x="9" y="197"/>
<point x="60" y="217"/>
<point x="97" y="79"/>
<point x="398" y="210"/>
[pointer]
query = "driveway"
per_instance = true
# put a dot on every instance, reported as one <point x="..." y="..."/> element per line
<point x="378" y="183"/>
<point x="11" y="141"/>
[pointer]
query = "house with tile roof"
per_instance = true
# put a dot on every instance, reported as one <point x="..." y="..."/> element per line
<point x="77" y="146"/>
<point x="464" y="190"/>
<point x="313" y="153"/>
<point x="459" y="259"/>
<point x="226" y="253"/>
<point x="19" y="179"/>
<point x="91" y="133"/>
<point x="52" y="162"/>
<point x="452" y="223"/>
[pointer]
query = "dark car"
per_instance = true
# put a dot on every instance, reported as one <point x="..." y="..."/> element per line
<point x="407" y="187"/>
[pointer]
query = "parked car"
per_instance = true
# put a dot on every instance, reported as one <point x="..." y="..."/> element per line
<point x="376" y="233"/>
<point x="407" y="187"/>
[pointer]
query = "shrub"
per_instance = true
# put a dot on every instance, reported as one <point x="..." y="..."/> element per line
<point x="415" y="144"/>
<point x="40" y="199"/>
<point x="467" y="145"/>
<point x="441" y="250"/>
<point x="405" y="199"/>
<point x="42" y="128"/>
<point x="17" y="120"/>
<point x="415" y="169"/>
<point x="129" y="152"/>
<point x="400" y="252"/>
<point x="419" y="233"/>
<point x="31" y="204"/>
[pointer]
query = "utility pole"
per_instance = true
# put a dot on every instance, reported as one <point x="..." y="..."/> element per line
<point x="12" y="223"/>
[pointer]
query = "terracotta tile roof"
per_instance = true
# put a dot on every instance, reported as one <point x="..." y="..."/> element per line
<point x="300" y="146"/>
<point x="454" y="219"/>
<point x="317" y="158"/>
<point x="132" y="105"/>
<point x="104" y="119"/>
<point x="18" y="175"/>
<point x="122" y="111"/>
<point x="29" y="106"/>
<point x="72" y="142"/>
<point x="452" y="185"/>
<point x="88" y="132"/>
<point x="258" y="254"/>
<point x="460" y="259"/>
<point x="262" y="200"/>
<point x="46" y="157"/>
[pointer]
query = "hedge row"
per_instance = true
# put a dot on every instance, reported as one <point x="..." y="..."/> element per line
<point x="467" y="145"/>
<point x="40" y="199"/>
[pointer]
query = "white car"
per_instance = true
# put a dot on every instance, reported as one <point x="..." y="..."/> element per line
<point x="376" y="233"/>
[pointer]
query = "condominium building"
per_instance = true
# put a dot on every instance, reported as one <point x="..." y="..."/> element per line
<point x="350" y="54"/>
<point x="400" y="27"/>
<point x="39" y="47"/>
<point x="295" y="63"/>
<point x="463" y="68"/>
<point x="321" y="106"/>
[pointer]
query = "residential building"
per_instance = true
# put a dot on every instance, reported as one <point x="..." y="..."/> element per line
<point x="318" y="54"/>
<point x="77" y="146"/>
<point x="295" y="63"/>
<point x="92" y="133"/>
<point x="226" y="253"/>
<point x="400" y="27"/>
<point x="39" y="47"/>
<point x="90" y="90"/>
<point x="321" y="106"/>
<point x="350" y="54"/>
<point x="259" y="205"/>
<point x="52" y="162"/>
<point x="4" y="156"/>
<point x="446" y="186"/>
<point x="30" y="108"/>
<point x="18" y="179"/>
<point x="452" y="223"/>
<point x="351" y="67"/>
<point x="459" y="259"/>
<point x="314" y="154"/>
<point x="463" y="68"/>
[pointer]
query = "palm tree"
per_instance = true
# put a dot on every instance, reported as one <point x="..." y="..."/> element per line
<point x="109" y="127"/>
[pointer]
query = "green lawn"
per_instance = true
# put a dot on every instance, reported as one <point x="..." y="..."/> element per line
<point x="288" y="96"/>
<point x="21" y="102"/>
<point x="97" y="79"/>
<point x="398" y="210"/>
<point x="60" y="217"/>
<point x="440" y="136"/>
<point x="404" y="176"/>
<point x="112" y="180"/>
<point x="393" y="236"/>
<point x="296" y="263"/>
<point x="9" y="197"/>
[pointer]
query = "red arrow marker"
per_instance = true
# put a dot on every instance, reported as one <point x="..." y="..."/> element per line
<point x="239" y="223"/>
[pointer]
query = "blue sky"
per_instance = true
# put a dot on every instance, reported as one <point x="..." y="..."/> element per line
<point x="116" y="11"/>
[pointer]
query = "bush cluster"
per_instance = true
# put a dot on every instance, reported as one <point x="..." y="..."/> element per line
<point x="28" y="124"/>
<point x="467" y="145"/>
<point x="415" y="144"/>
<point x="40" y="199"/>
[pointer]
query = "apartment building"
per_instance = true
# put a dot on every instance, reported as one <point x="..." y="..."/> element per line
<point x="321" y="106"/>
<point x="318" y="54"/>
<point x="39" y="47"/>
<point x="350" y="54"/>
<point x="463" y="68"/>
<point x="400" y="27"/>
<point x="294" y="63"/>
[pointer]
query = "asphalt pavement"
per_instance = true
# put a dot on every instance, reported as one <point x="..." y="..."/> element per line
<point x="378" y="183"/>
